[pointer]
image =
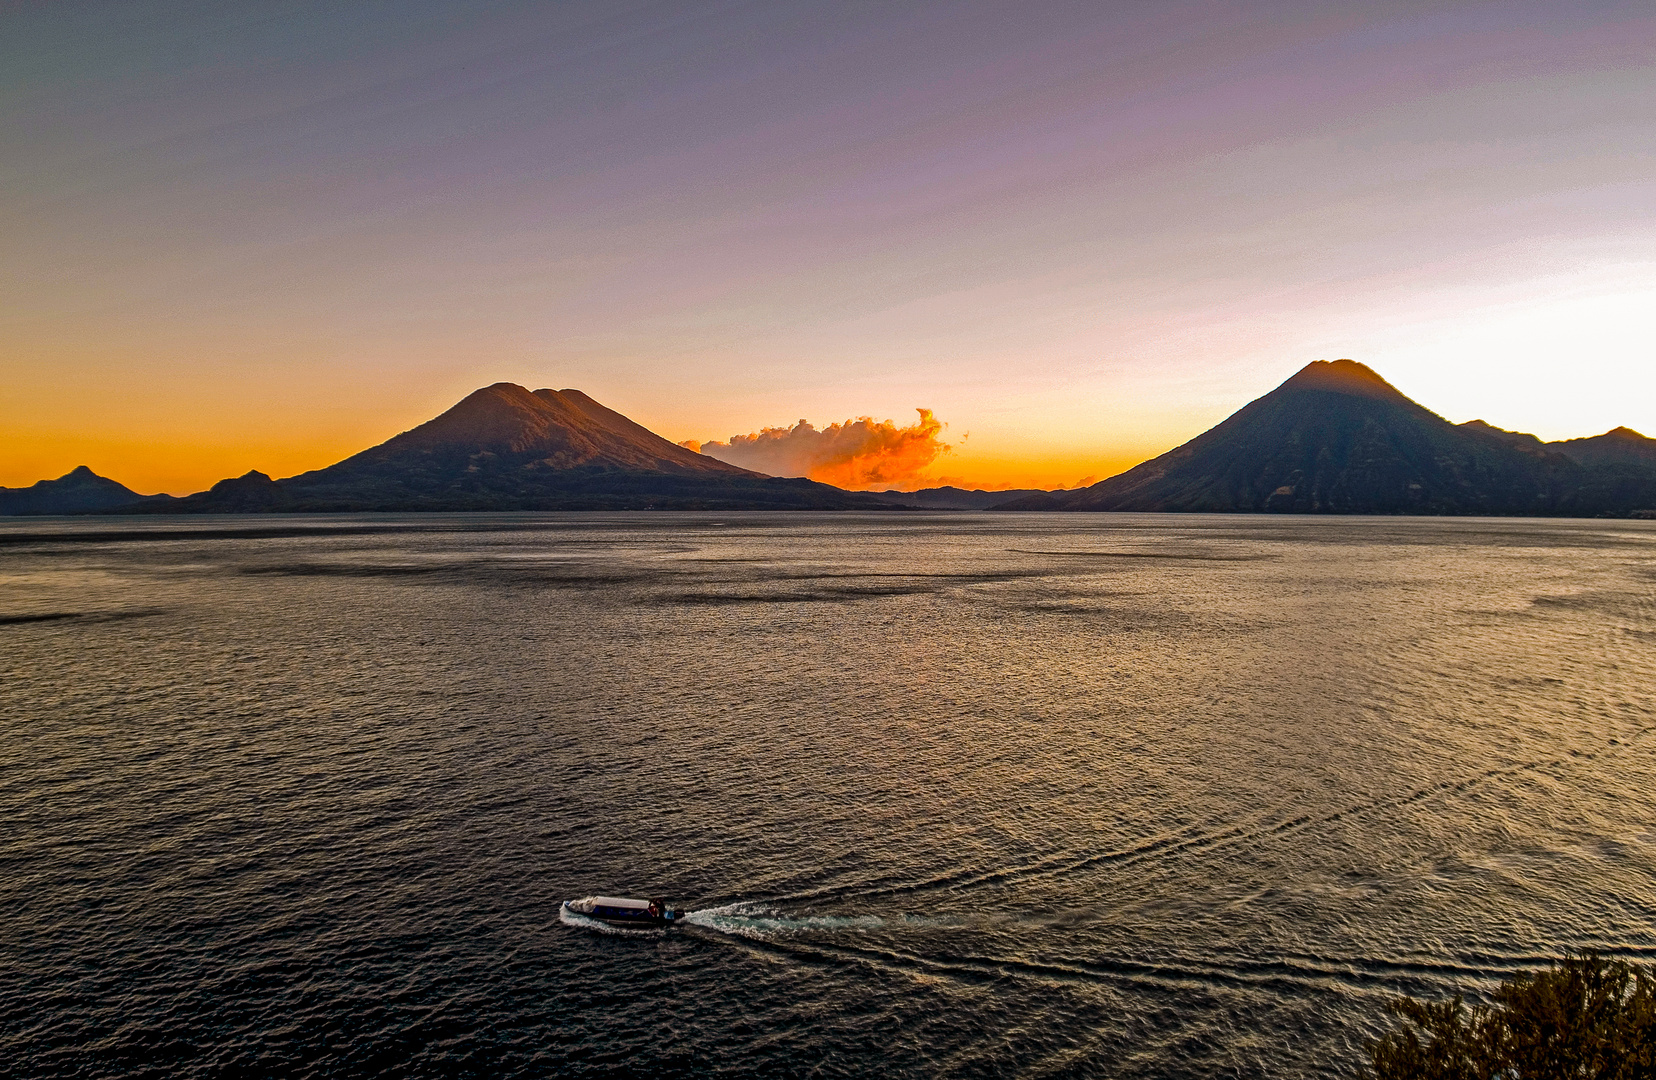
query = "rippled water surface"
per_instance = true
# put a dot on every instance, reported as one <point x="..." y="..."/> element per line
<point x="950" y="795"/>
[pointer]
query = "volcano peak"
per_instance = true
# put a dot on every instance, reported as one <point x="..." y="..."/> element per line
<point x="1342" y="377"/>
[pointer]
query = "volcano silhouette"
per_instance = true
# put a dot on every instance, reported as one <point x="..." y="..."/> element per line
<point x="78" y="491"/>
<point x="506" y="448"/>
<point x="1337" y="438"/>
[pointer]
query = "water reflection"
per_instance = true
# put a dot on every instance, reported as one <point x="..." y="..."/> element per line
<point x="971" y="794"/>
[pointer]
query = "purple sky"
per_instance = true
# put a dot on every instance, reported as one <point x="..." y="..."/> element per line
<point x="266" y="235"/>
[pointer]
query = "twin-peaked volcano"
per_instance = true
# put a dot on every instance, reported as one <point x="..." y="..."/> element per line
<point x="1337" y="438"/>
<point x="506" y="448"/>
<point x="562" y="429"/>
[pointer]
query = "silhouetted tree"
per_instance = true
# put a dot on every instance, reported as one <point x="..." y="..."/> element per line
<point x="1587" y="1018"/>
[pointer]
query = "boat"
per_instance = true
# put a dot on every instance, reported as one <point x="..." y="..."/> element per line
<point x="620" y="911"/>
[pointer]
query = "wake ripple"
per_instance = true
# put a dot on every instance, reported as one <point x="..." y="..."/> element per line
<point x="752" y="920"/>
<point x="1189" y="841"/>
<point x="743" y="919"/>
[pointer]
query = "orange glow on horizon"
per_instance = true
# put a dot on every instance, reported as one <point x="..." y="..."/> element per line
<point x="149" y="468"/>
<point x="178" y="458"/>
<point x="878" y="455"/>
<point x="1047" y="473"/>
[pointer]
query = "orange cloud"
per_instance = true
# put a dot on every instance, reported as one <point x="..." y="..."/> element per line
<point x="862" y="454"/>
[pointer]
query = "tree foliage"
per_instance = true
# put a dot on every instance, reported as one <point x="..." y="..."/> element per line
<point x="1587" y="1018"/>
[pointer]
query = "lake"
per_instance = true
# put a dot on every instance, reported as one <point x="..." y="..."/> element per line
<point x="949" y="794"/>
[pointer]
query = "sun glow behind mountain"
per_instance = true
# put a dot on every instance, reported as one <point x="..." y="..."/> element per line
<point x="1550" y="357"/>
<point x="1080" y="232"/>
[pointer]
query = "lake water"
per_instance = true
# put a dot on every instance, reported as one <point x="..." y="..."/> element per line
<point x="950" y="795"/>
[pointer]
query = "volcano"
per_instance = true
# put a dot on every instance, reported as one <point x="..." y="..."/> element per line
<point x="78" y="491"/>
<point x="1336" y="438"/>
<point x="558" y="429"/>
<point x="508" y="448"/>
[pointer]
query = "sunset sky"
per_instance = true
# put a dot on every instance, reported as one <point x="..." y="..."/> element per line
<point x="267" y="235"/>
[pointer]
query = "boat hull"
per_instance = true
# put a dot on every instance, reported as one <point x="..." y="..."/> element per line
<point x="645" y="923"/>
<point x="640" y="921"/>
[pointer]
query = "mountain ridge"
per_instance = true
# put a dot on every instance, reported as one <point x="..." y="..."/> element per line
<point x="565" y="427"/>
<point x="1333" y="438"/>
<point x="80" y="490"/>
<point x="953" y="498"/>
<point x="1337" y="438"/>
<point x="503" y="448"/>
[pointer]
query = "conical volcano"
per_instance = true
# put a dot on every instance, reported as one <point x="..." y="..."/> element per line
<point x="1337" y="438"/>
<point x="553" y="429"/>
<point x="506" y="448"/>
<point x="76" y="492"/>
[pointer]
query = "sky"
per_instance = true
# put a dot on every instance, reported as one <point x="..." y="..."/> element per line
<point x="238" y="236"/>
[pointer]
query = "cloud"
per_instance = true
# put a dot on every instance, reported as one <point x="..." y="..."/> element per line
<point x="865" y="453"/>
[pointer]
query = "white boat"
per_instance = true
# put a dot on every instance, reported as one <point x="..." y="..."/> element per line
<point x="621" y="911"/>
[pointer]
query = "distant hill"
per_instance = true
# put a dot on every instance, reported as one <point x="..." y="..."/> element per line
<point x="1337" y="438"/>
<point x="76" y="492"/>
<point x="506" y="448"/>
<point x="953" y="498"/>
<point x="1618" y="446"/>
<point x="1519" y="439"/>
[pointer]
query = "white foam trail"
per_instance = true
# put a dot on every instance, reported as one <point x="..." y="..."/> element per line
<point x="742" y="919"/>
<point x="754" y="921"/>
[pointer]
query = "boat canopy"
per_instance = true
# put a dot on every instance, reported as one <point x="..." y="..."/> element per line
<point x="613" y="901"/>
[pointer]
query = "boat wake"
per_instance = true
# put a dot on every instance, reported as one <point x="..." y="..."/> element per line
<point x="754" y="920"/>
<point x="744" y="919"/>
